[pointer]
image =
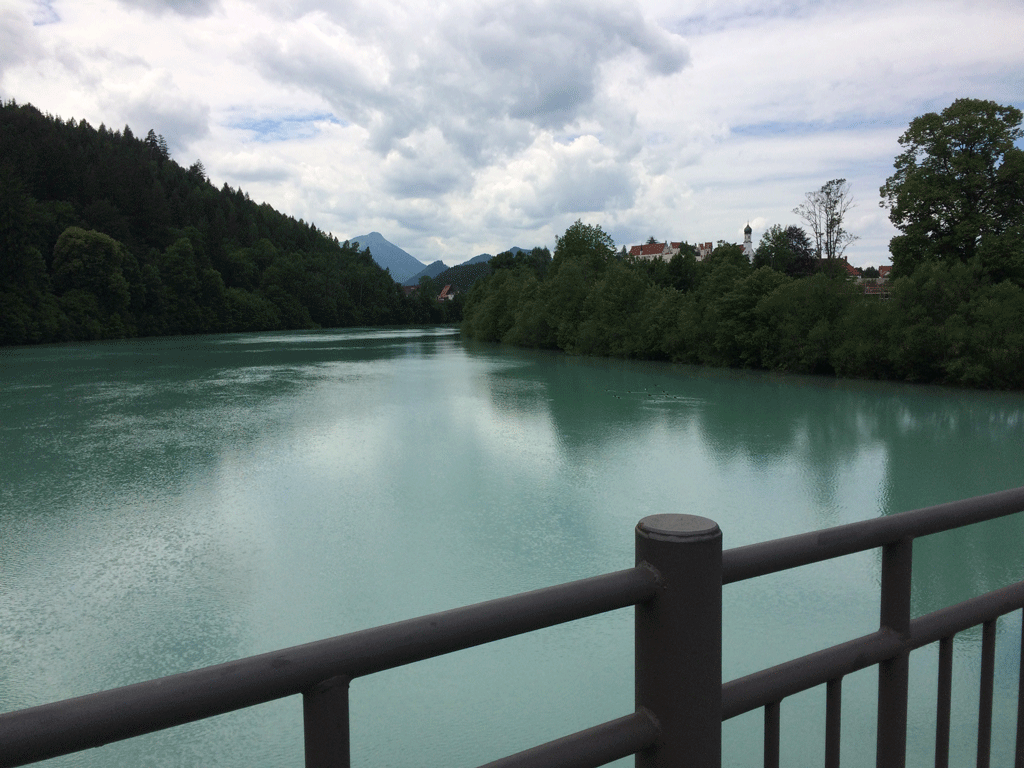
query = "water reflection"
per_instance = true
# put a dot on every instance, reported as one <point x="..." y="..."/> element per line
<point x="170" y="503"/>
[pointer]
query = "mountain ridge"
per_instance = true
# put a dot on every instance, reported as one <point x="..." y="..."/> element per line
<point x="389" y="256"/>
<point x="405" y="268"/>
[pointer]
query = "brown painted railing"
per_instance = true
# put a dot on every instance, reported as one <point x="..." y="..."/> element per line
<point x="681" y="702"/>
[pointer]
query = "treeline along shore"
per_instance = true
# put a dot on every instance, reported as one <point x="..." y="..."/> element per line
<point x="952" y="312"/>
<point x="103" y="235"/>
<point x="943" y="323"/>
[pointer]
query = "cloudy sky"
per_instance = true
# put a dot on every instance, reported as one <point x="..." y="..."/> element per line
<point x="455" y="127"/>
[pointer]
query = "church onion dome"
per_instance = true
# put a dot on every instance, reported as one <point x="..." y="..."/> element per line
<point x="747" y="230"/>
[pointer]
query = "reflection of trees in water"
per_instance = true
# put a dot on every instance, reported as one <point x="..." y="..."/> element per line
<point x="528" y="388"/>
<point x="944" y="445"/>
<point x="755" y="418"/>
<point x="588" y="400"/>
<point x="768" y="420"/>
<point x="938" y="444"/>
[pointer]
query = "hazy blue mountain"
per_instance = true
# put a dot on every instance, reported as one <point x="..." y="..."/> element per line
<point x="389" y="256"/>
<point x="431" y="270"/>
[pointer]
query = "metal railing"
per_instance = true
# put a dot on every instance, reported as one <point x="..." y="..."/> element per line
<point x="681" y="702"/>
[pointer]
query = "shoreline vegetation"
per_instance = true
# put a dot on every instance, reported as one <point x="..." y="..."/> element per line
<point x="103" y="236"/>
<point x="944" y="323"/>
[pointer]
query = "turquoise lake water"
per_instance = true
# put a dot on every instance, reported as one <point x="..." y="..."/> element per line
<point x="167" y="504"/>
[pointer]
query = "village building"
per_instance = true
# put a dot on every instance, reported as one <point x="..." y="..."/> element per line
<point x="666" y="251"/>
<point x="748" y="246"/>
<point x="651" y="251"/>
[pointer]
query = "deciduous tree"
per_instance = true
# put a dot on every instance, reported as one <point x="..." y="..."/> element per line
<point x="787" y="250"/>
<point x="958" y="190"/>
<point x="824" y="210"/>
<point x="588" y="244"/>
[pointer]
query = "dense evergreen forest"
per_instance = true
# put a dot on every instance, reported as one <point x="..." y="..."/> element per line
<point x="953" y="312"/>
<point x="103" y="235"/>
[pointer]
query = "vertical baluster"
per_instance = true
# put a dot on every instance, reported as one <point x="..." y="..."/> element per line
<point x="771" y="734"/>
<point x="942" y="703"/>
<point x="325" y="724"/>
<point x="1019" y="761"/>
<point x="893" y="675"/>
<point x="988" y="671"/>
<point x="833" y="721"/>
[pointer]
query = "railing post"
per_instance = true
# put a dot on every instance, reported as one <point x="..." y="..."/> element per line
<point x="894" y="674"/>
<point x="325" y="724"/>
<point x="679" y="641"/>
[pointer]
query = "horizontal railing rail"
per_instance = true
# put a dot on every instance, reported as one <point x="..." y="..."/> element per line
<point x="753" y="560"/>
<point x="595" y="746"/>
<point x="50" y="730"/>
<point x="681" y="702"/>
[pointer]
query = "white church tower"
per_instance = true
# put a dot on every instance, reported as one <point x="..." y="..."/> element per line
<point x="748" y="247"/>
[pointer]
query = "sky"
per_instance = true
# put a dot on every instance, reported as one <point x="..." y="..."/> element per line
<point x="459" y="127"/>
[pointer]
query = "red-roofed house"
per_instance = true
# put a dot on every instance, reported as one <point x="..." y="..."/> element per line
<point x="851" y="271"/>
<point x="651" y="251"/>
<point x="667" y="250"/>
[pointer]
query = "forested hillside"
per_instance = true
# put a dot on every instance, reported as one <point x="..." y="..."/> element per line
<point x="103" y="235"/>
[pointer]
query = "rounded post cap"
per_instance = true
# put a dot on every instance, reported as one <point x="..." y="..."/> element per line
<point x="679" y="528"/>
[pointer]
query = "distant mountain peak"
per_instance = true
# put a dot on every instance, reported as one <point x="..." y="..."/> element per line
<point x="389" y="256"/>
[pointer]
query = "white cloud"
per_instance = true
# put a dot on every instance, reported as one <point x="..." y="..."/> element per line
<point x="18" y="42"/>
<point x="155" y="101"/>
<point x="463" y="127"/>
<point x="182" y="7"/>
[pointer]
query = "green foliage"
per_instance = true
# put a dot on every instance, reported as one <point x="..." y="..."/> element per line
<point x="958" y="190"/>
<point x="537" y="261"/>
<point x="90" y="264"/>
<point x="491" y="307"/>
<point x="104" y="235"/>
<point x="250" y="312"/>
<point x="679" y="272"/>
<point x="739" y="337"/>
<point x="945" y="323"/>
<point x="587" y="245"/>
<point x="726" y="253"/>
<point x="608" y="321"/>
<point x="463" y="276"/>
<point x="799" y="325"/>
<point x="787" y="250"/>
<point x="682" y="269"/>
